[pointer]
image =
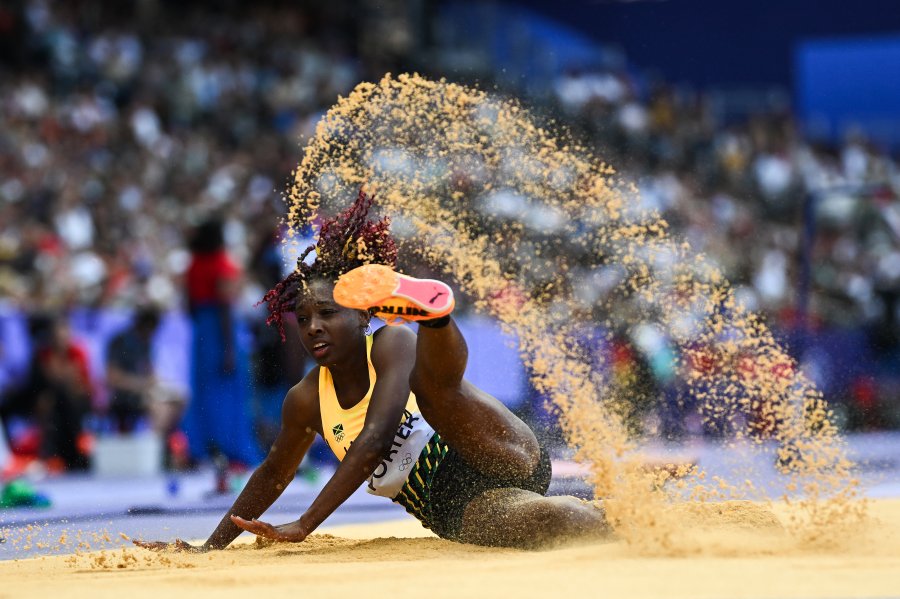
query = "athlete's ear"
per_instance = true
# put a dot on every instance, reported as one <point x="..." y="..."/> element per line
<point x="364" y="318"/>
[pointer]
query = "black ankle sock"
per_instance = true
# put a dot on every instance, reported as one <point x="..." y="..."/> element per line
<point x="435" y="323"/>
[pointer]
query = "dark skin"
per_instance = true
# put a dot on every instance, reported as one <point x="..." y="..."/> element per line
<point x="431" y="364"/>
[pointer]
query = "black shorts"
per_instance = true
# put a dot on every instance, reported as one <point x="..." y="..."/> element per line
<point x="456" y="483"/>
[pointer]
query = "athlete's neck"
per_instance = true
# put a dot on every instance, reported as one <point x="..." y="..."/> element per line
<point x="351" y="376"/>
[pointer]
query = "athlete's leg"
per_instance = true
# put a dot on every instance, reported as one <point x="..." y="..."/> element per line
<point x="517" y="518"/>
<point x="485" y="433"/>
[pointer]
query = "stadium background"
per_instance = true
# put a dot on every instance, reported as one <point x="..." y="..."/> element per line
<point x="766" y="134"/>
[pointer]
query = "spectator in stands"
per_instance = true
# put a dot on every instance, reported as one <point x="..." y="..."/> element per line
<point x="136" y="394"/>
<point x="220" y="368"/>
<point x="57" y="394"/>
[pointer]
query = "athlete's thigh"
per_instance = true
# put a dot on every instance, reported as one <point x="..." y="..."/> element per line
<point x="504" y="517"/>
<point x="485" y="432"/>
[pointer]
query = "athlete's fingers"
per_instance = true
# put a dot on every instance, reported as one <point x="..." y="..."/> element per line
<point x="257" y="527"/>
<point x="241" y="523"/>
<point x="267" y="530"/>
<point x="151" y="545"/>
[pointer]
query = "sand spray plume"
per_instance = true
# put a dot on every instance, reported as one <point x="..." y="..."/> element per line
<point x="540" y="234"/>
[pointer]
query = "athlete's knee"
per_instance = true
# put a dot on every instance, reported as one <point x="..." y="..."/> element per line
<point x="569" y="517"/>
<point x="521" y="460"/>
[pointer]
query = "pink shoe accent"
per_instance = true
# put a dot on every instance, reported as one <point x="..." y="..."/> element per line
<point x="429" y="294"/>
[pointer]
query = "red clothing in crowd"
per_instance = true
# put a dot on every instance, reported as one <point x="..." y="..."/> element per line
<point x="205" y="273"/>
<point x="73" y="355"/>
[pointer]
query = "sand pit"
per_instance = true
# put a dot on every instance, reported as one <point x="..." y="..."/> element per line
<point x="739" y="551"/>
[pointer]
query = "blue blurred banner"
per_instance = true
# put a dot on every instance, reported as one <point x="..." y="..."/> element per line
<point x="713" y="43"/>
<point x="844" y="86"/>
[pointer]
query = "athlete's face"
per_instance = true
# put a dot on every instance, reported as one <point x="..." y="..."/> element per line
<point x="330" y="332"/>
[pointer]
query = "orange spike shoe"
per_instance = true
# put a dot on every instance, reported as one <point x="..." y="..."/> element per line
<point x="393" y="297"/>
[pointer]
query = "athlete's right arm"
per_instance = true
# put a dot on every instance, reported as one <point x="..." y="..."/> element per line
<point x="299" y="421"/>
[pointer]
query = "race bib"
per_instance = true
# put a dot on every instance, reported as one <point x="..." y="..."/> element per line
<point x="393" y="471"/>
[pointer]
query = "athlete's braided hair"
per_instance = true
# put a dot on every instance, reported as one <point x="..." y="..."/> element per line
<point x="345" y="242"/>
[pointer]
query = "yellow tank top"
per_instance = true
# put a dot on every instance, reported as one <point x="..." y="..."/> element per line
<point x="341" y="427"/>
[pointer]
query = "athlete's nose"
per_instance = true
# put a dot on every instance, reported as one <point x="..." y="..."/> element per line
<point x="315" y="326"/>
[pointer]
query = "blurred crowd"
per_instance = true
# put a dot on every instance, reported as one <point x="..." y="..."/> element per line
<point x="125" y="133"/>
<point x="119" y="138"/>
<point x="126" y="129"/>
<point x="737" y="191"/>
<point x="808" y="233"/>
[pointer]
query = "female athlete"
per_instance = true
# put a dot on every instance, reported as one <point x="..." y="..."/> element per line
<point x="395" y="409"/>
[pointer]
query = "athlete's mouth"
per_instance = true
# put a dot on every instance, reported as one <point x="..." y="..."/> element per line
<point x="319" y="348"/>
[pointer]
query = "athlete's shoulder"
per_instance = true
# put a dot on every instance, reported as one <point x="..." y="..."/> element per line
<point x="307" y="389"/>
<point x="301" y="404"/>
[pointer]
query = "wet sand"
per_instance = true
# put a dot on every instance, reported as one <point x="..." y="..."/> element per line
<point x="738" y="551"/>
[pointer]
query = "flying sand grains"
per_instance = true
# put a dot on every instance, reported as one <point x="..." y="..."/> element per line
<point x="536" y="232"/>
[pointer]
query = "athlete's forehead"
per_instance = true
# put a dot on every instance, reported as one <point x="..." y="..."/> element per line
<point x="316" y="293"/>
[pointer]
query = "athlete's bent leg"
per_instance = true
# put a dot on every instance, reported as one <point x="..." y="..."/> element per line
<point x="487" y="435"/>
<point x="484" y="431"/>
<point x="517" y="518"/>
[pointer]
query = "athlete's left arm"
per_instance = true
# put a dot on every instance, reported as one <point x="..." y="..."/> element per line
<point x="393" y="356"/>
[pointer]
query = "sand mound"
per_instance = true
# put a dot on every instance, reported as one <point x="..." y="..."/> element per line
<point x="326" y="548"/>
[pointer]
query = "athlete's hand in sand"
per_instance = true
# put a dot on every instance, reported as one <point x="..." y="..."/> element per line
<point x="178" y="545"/>
<point x="293" y="532"/>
